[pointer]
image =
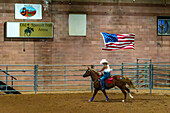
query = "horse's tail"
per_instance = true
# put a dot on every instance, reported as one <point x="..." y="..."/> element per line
<point x="129" y="82"/>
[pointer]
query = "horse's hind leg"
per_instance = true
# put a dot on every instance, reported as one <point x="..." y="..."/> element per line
<point x="95" y="92"/>
<point x="104" y="92"/>
<point x="124" y="92"/>
<point x="127" y="89"/>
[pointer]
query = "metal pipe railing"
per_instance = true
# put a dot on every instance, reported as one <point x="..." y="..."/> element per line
<point x="65" y="77"/>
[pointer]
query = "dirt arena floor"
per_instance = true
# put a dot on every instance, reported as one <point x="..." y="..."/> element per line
<point x="78" y="103"/>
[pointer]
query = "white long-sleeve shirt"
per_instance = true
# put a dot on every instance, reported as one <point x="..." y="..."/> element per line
<point x="107" y="69"/>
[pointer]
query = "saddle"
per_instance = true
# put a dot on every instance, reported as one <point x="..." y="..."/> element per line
<point x="109" y="80"/>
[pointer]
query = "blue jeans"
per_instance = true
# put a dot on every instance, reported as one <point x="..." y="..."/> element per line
<point x="105" y="76"/>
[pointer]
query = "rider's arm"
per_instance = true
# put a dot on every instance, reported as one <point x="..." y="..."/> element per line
<point x="104" y="67"/>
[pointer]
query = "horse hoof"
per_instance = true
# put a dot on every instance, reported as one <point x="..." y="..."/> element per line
<point x="106" y="100"/>
<point x="131" y="97"/>
<point x="123" y="100"/>
<point x="90" y="100"/>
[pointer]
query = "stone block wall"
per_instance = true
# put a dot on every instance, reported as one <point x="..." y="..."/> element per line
<point x="107" y="16"/>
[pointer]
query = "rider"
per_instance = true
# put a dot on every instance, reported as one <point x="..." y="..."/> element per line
<point x="106" y="69"/>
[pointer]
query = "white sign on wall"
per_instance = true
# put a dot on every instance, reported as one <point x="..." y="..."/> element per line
<point x="77" y="24"/>
<point x="29" y="29"/>
<point x="28" y="11"/>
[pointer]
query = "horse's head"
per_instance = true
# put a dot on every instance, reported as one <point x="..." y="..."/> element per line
<point x="90" y="72"/>
<point x="87" y="73"/>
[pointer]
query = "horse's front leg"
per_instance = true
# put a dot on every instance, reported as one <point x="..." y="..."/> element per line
<point x="104" y="92"/>
<point x="94" y="94"/>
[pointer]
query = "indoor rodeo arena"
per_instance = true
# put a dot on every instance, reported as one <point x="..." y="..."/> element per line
<point x="85" y="56"/>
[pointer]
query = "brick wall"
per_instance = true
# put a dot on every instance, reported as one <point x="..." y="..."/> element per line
<point x="137" y="18"/>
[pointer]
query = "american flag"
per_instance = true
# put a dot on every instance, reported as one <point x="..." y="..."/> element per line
<point x="118" y="41"/>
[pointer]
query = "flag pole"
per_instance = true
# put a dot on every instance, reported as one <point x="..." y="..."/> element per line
<point x="101" y="46"/>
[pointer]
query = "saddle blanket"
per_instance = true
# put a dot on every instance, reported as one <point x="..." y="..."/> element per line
<point x="108" y="80"/>
<point x="120" y="77"/>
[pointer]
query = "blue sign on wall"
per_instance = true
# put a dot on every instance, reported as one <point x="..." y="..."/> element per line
<point x="163" y="25"/>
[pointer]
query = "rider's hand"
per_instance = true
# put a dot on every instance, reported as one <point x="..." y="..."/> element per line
<point x="99" y="72"/>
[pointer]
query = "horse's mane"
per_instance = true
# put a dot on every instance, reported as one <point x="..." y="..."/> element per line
<point x="95" y="72"/>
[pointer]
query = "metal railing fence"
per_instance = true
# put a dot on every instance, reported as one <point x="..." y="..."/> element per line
<point x="44" y="78"/>
<point x="17" y="78"/>
<point x="62" y="78"/>
<point x="160" y="76"/>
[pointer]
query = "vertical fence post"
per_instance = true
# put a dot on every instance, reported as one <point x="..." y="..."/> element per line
<point x="122" y="69"/>
<point x="166" y="74"/>
<point x="6" y="77"/>
<point x="64" y="77"/>
<point x="137" y="73"/>
<point x="146" y="74"/>
<point x="150" y="77"/>
<point x="35" y="78"/>
<point x="91" y="84"/>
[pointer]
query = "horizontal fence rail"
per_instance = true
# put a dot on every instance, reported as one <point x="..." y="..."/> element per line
<point x="43" y="78"/>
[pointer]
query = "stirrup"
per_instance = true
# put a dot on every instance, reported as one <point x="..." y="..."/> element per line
<point x="102" y="88"/>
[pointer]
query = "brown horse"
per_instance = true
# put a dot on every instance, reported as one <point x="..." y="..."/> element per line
<point x="119" y="81"/>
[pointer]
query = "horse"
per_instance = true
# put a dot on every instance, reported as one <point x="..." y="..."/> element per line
<point x="119" y="81"/>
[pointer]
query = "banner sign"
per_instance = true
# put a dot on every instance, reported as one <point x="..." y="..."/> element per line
<point x="28" y="11"/>
<point x="36" y="29"/>
<point x="30" y="29"/>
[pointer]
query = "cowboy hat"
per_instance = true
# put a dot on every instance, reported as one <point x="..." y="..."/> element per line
<point x="103" y="61"/>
